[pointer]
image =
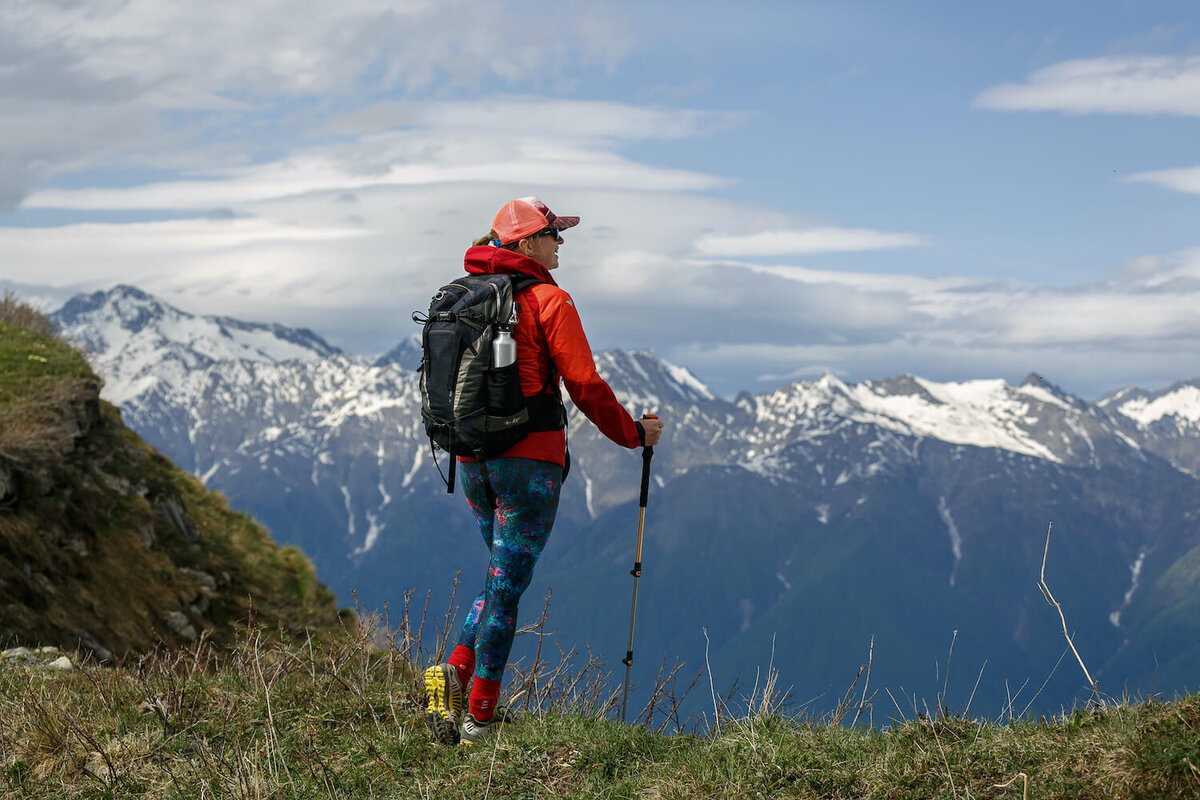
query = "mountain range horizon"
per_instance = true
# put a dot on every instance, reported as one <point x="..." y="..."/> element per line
<point x="406" y="352"/>
<point x="807" y="521"/>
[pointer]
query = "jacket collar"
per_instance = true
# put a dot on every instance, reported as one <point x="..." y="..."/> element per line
<point x="488" y="260"/>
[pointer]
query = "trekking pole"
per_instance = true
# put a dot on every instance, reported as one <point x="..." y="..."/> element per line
<point x="636" y="572"/>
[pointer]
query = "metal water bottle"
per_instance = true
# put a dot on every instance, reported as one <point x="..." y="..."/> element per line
<point x="504" y="347"/>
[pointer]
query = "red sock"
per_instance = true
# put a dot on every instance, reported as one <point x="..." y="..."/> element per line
<point x="463" y="660"/>
<point x="484" y="694"/>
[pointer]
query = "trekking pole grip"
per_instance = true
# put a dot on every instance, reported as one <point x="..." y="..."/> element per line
<point x="647" y="454"/>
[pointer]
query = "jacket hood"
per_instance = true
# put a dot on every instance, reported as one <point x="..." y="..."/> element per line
<point x="488" y="260"/>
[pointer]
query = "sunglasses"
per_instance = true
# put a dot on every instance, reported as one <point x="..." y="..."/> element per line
<point x="549" y="232"/>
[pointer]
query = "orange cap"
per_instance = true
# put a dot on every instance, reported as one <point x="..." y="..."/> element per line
<point x="526" y="216"/>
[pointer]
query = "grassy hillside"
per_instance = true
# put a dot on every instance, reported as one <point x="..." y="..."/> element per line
<point x="343" y="719"/>
<point x="104" y="544"/>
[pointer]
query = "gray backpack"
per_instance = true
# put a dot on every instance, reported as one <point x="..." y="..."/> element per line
<point x="469" y="405"/>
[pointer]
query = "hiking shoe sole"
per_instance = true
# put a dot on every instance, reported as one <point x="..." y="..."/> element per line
<point x="443" y="703"/>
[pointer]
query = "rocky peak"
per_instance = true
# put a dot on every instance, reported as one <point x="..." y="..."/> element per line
<point x="406" y="355"/>
<point x="643" y="379"/>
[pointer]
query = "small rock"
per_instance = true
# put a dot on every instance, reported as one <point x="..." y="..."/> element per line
<point x="76" y="545"/>
<point x="17" y="652"/>
<point x="199" y="605"/>
<point x="204" y="581"/>
<point x="178" y="622"/>
<point x="48" y="650"/>
<point x="61" y="664"/>
<point x="172" y="511"/>
<point x="91" y="643"/>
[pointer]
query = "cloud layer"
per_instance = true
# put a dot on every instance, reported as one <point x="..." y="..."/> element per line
<point x="179" y="86"/>
<point x="1110" y="85"/>
<point x="326" y="165"/>
<point x="804" y="242"/>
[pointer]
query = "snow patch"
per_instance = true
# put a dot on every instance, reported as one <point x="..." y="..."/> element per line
<point x="349" y="510"/>
<point x="1044" y="395"/>
<point x="418" y="460"/>
<point x="1135" y="573"/>
<point x="955" y="537"/>
<point x="1182" y="404"/>
<point x="211" y="471"/>
<point x="982" y="413"/>
<point x="587" y="491"/>
<point x="685" y="379"/>
<point x="373" y="531"/>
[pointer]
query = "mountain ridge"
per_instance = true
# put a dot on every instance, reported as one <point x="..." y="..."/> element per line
<point x="105" y="545"/>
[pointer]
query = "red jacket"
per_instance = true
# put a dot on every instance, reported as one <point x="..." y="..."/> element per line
<point x="549" y="331"/>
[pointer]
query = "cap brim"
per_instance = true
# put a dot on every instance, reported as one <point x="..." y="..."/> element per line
<point x="562" y="223"/>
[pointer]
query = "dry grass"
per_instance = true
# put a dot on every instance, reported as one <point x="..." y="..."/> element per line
<point x="40" y="425"/>
<point x="43" y="385"/>
<point x="341" y="716"/>
<point x="22" y="315"/>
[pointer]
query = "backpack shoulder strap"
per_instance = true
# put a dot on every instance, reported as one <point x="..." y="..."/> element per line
<point x="522" y="282"/>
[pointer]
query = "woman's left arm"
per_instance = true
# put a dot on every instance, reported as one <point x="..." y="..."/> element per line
<point x="572" y="357"/>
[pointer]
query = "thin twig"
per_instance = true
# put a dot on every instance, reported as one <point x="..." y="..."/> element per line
<point x="862" y="702"/>
<point x="942" y="751"/>
<point x="897" y="705"/>
<point x="711" y="687"/>
<point x="1050" y="599"/>
<point x="946" y="682"/>
<point x="967" y="710"/>
<point x="1011" y="781"/>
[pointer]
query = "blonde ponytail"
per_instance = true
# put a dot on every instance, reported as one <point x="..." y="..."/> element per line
<point x="482" y="240"/>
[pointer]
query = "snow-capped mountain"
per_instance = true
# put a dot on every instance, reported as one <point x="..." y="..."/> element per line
<point x="824" y="511"/>
<point x="407" y="354"/>
<point x="1034" y="418"/>
<point x="139" y="341"/>
<point x="1167" y="422"/>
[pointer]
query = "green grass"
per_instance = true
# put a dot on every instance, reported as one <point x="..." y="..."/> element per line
<point x="41" y="382"/>
<point x="339" y="718"/>
<point x="27" y="357"/>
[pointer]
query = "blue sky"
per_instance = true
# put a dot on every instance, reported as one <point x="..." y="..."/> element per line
<point x="769" y="190"/>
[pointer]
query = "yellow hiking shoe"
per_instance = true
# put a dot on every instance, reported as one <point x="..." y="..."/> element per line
<point x="443" y="702"/>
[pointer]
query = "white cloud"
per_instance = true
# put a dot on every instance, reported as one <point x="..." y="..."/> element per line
<point x="206" y="55"/>
<point x="1111" y="85"/>
<point x="354" y="267"/>
<point x="803" y="242"/>
<point x="573" y="119"/>
<point x="1185" y="179"/>
<point x="201" y="86"/>
<point x="555" y="150"/>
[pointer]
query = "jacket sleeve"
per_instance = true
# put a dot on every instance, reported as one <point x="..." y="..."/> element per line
<point x="572" y="357"/>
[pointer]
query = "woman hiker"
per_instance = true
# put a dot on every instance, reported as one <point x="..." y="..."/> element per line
<point x="515" y="496"/>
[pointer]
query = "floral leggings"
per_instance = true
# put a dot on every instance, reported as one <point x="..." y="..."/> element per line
<point x="514" y="501"/>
